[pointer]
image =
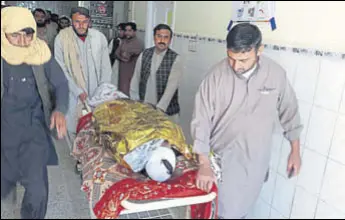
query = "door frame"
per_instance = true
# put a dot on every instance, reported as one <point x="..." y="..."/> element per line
<point x="150" y="17"/>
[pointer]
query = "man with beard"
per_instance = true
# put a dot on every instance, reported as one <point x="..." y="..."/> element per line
<point x="158" y="73"/>
<point x="34" y="99"/>
<point x="128" y="53"/>
<point x="113" y="45"/>
<point x="236" y="108"/>
<point x="83" y="55"/>
<point x="44" y="30"/>
<point x="63" y="22"/>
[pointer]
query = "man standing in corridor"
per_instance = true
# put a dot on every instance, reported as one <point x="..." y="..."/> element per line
<point x="158" y="73"/>
<point x="127" y="54"/>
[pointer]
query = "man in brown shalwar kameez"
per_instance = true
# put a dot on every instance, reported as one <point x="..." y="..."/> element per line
<point x="235" y="111"/>
<point x="128" y="53"/>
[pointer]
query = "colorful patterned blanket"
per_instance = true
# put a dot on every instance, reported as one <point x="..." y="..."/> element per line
<point x="107" y="183"/>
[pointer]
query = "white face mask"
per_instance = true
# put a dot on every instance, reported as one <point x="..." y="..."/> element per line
<point x="161" y="164"/>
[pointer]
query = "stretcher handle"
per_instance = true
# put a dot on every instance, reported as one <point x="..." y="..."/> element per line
<point x="165" y="204"/>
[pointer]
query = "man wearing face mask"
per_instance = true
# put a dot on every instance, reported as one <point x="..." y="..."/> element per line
<point x="236" y="108"/>
<point x="127" y="54"/>
<point x="83" y="55"/>
<point x="44" y="30"/>
<point x="158" y="73"/>
<point x="34" y="99"/>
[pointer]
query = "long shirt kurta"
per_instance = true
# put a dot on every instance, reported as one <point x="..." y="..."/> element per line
<point x="26" y="144"/>
<point x="21" y="108"/>
<point x="128" y="53"/>
<point x="151" y="88"/>
<point x="235" y="116"/>
<point x="95" y="63"/>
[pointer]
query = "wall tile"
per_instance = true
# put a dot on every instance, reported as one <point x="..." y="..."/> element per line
<point x="313" y="168"/>
<point x="276" y="215"/>
<point x="326" y="211"/>
<point x="189" y="86"/>
<point x="284" y="154"/>
<point x="283" y="195"/>
<point x="320" y="130"/>
<point x="342" y="107"/>
<point x="304" y="205"/>
<point x="307" y="72"/>
<point x="288" y="62"/>
<point x="333" y="189"/>
<point x="261" y="210"/>
<point x="274" y="55"/>
<point x="305" y="111"/>
<point x="329" y="89"/>
<point x="268" y="188"/>
<point x="338" y="143"/>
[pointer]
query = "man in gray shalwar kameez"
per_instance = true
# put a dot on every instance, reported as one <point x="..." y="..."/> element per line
<point x="235" y="111"/>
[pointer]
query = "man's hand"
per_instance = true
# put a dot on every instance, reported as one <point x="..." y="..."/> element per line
<point x="205" y="177"/>
<point x="58" y="121"/>
<point x="294" y="160"/>
<point x="83" y="97"/>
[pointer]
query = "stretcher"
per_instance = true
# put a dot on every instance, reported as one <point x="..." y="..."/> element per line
<point x="133" y="207"/>
<point x="93" y="160"/>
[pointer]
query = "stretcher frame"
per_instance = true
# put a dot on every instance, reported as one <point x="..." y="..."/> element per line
<point x="132" y="207"/>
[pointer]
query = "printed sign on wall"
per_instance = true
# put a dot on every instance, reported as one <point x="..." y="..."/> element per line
<point x="253" y="10"/>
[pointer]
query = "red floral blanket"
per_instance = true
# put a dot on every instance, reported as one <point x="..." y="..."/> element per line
<point x="109" y="207"/>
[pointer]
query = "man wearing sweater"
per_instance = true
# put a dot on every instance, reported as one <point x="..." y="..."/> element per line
<point x="158" y="73"/>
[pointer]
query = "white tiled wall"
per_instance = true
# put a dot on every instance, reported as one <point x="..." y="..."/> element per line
<point x="319" y="190"/>
<point x="304" y="204"/>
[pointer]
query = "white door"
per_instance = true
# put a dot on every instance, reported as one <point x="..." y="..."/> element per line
<point x="158" y="12"/>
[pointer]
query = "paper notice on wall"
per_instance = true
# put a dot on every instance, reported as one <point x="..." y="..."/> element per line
<point x="253" y="10"/>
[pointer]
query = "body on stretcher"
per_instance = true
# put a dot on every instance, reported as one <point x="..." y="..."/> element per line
<point x="131" y="206"/>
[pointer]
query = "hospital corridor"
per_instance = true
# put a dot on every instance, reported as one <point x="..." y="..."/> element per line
<point x="172" y="110"/>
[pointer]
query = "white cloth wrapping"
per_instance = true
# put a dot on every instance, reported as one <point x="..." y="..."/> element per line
<point x="138" y="158"/>
<point x="104" y="93"/>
